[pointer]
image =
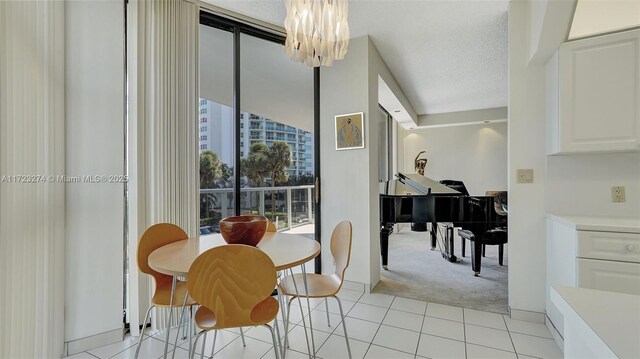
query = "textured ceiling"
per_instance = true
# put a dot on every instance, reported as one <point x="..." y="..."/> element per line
<point x="447" y="56"/>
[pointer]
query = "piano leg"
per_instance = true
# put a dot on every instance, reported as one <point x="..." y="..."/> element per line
<point x="449" y="240"/>
<point x="434" y="236"/>
<point x="385" y="230"/>
<point x="476" y="256"/>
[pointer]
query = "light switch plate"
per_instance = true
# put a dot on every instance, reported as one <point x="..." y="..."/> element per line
<point x="525" y="175"/>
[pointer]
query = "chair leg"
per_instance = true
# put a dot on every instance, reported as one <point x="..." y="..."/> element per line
<point x="326" y="304"/>
<point x="273" y="338"/>
<point x="193" y="350"/>
<point x="463" y="243"/>
<point x="166" y="341"/>
<point x="306" y="293"/>
<point x="344" y="326"/>
<point x="484" y="250"/>
<point x="304" y="323"/>
<point x="204" y="342"/>
<point x="184" y="309"/>
<point x="244" y="344"/>
<point x="284" y="319"/>
<point x="500" y="253"/>
<point x="213" y="346"/>
<point x="275" y="322"/>
<point x="286" y="325"/>
<point x="192" y="326"/>
<point x="144" y="326"/>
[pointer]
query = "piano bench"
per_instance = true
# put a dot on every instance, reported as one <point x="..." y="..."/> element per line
<point x="496" y="236"/>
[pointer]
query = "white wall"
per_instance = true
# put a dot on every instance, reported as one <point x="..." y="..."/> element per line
<point x="349" y="186"/>
<point x="474" y="154"/>
<point x="527" y="103"/>
<point x="345" y="174"/>
<point x="580" y="185"/>
<point x="94" y="131"/>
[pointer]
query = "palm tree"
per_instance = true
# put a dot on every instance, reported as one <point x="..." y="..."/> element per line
<point x="254" y="167"/>
<point x="263" y="162"/>
<point x="278" y="160"/>
<point x="210" y="169"/>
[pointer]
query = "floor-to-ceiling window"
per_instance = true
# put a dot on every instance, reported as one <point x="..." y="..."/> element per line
<point x="216" y="127"/>
<point x="256" y="128"/>
<point x="276" y="146"/>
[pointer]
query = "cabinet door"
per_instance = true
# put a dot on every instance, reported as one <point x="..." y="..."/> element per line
<point x="600" y="94"/>
<point x="611" y="276"/>
<point x="615" y="246"/>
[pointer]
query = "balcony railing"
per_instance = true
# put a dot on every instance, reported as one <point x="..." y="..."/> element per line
<point x="292" y="205"/>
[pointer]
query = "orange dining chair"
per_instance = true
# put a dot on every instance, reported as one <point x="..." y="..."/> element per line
<point x="324" y="286"/>
<point x="233" y="286"/>
<point x="153" y="238"/>
<point x="271" y="227"/>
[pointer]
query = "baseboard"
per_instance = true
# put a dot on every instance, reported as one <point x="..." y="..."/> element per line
<point x="528" y="316"/>
<point x="83" y="344"/>
<point x="347" y="284"/>
<point x="555" y="333"/>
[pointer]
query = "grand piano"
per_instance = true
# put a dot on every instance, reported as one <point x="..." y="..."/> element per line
<point x="413" y="198"/>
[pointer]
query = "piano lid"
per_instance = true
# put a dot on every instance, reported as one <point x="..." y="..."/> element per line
<point x="422" y="184"/>
<point x="396" y="188"/>
<point x="414" y="185"/>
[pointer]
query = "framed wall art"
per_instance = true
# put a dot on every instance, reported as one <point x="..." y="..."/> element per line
<point x="350" y="131"/>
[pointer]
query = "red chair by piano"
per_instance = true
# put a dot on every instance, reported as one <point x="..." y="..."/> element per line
<point x="495" y="236"/>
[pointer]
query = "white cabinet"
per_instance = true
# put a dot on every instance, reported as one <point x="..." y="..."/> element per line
<point x="594" y="253"/>
<point x="614" y="246"/>
<point x="621" y="277"/>
<point x="609" y="261"/>
<point x="594" y="95"/>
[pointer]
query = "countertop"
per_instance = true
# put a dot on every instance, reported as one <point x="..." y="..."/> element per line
<point x="604" y="224"/>
<point x="613" y="317"/>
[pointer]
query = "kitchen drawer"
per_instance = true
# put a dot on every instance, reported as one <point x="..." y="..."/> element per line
<point x="609" y="245"/>
<point x="608" y="275"/>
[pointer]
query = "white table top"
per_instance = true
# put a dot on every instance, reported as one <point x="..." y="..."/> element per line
<point x="285" y="250"/>
<point x="605" y="224"/>
<point x="613" y="317"/>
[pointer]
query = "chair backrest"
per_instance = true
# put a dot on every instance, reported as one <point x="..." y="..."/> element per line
<point x="230" y="280"/>
<point x="500" y="201"/>
<point x="153" y="238"/>
<point x="341" y="248"/>
<point x="271" y="227"/>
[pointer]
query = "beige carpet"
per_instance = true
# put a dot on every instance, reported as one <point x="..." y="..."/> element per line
<point x="417" y="272"/>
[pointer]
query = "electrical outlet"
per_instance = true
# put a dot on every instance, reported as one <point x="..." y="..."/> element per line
<point x="525" y="175"/>
<point x="617" y="194"/>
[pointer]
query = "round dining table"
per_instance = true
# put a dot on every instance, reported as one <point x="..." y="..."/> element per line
<point x="285" y="250"/>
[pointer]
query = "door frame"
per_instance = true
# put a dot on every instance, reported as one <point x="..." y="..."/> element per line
<point x="237" y="28"/>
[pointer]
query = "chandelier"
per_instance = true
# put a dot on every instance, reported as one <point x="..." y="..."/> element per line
<point x="317" y="31"/>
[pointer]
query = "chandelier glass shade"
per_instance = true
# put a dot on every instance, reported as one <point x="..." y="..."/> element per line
<point x="317" y="31"/>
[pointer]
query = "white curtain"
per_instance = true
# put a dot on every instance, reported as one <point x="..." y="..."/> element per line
<point x="165" y="165"/>
<point x="32" y="142"/>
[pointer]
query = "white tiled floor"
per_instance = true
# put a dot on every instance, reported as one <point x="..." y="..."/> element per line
<point x="379" y="326"/>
